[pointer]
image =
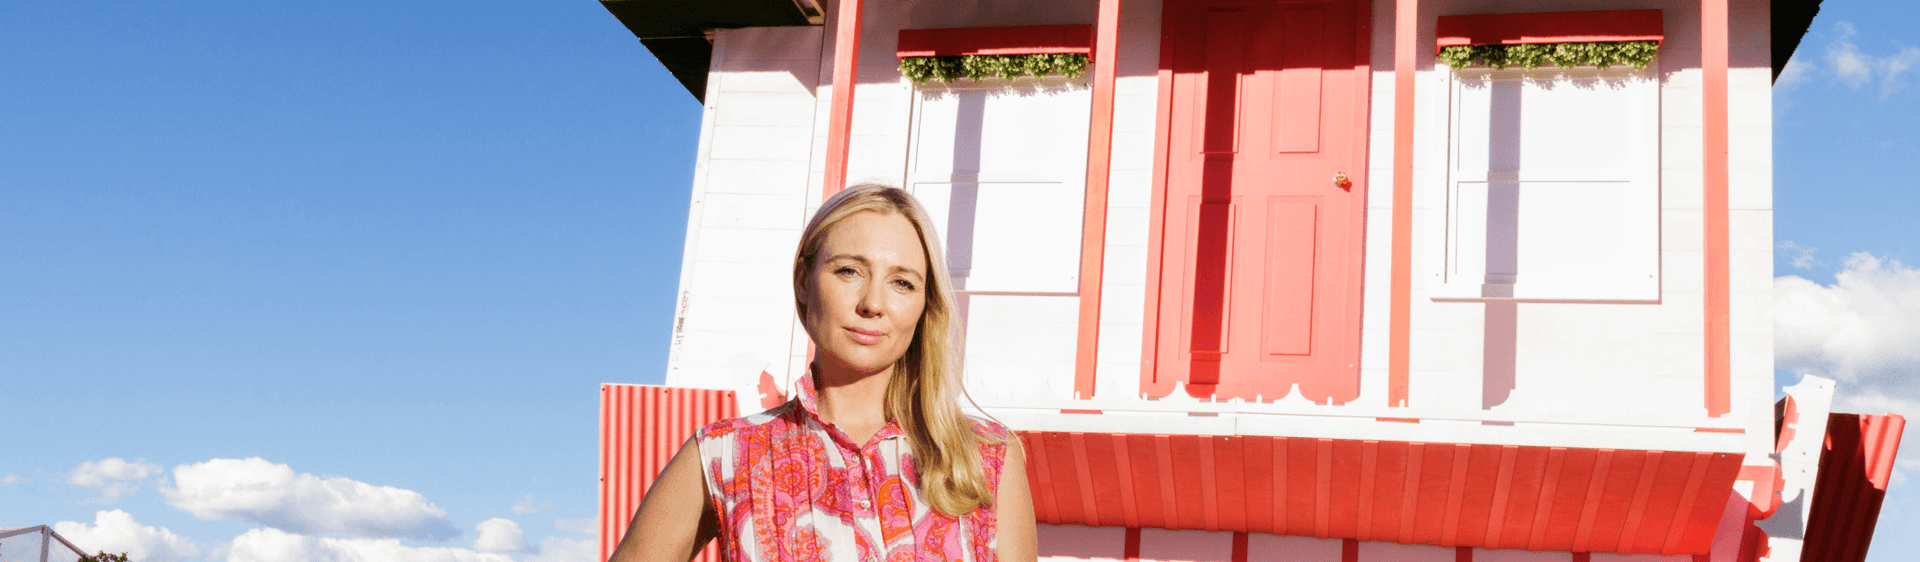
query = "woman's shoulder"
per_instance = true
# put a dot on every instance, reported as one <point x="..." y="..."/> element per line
<point x="990" y="430"/>
<point x="731" y="426"/>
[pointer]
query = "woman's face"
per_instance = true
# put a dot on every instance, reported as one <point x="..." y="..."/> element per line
<point x="866" y="292"/>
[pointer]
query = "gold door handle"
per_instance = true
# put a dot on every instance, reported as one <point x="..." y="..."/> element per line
<point x="1340" y="180"/>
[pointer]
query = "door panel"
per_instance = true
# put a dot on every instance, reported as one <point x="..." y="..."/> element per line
<point x="1259" y="249"/>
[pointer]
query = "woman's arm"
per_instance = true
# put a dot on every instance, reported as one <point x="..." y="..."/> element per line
<point x="675" y="520"/>
<point x="1013" y="506"/>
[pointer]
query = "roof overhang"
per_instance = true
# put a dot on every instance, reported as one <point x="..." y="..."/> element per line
<point x="678" y="32"/>
<point x="1448" y="494"/>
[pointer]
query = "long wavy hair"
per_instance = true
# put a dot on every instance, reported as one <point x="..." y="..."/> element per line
<point x="923" y="395"/>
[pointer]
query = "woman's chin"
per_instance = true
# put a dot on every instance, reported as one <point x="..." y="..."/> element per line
<point x="863" y="361"/>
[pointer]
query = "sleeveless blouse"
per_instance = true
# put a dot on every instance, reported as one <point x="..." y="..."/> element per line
<point x="789" y="486"/>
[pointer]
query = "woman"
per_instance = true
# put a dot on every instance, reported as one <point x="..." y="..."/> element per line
<point x="872" y="460"/>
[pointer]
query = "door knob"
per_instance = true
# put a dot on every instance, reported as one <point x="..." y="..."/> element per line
<point x="1340" y="180"/>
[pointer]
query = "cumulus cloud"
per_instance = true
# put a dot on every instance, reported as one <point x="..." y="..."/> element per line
<point x="1863" y="331"/>
<point x="266" y="493"/>
<point x="112" y="477"/>
<point x="1855" y="68"/>
<point x="1798" y="71"/>
<point x="500" y="535"/>
<point x="582" y="526"/>
<point x="1801" y="257"/>
<point x="560" y="549"/>
<point x="12" y="479"/>
<point x="274" y="545"/>
<point x="116" y="531"/>
<point x="526" y="506"/>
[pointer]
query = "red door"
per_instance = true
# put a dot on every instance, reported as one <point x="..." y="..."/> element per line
<point x="1259" y="245"/>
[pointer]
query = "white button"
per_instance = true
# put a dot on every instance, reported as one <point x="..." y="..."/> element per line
<point x="865" y="504"/>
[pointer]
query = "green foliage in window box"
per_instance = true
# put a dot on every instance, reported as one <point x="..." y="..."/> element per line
<point x="981" y="67"/>
<point x="1637" y="54"/>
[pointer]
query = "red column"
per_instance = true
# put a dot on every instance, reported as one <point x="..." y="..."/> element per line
<point x="1406" y="27"/>
<point x="846" y="70"/>
<point x="1093" y="225"/>
<point x="1713" y="67"/>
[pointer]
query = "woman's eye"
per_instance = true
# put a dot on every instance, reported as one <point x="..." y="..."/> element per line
<point x="845" y="271"/>
<point x="903" y="284"/>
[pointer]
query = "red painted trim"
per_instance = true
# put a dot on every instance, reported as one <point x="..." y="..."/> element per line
<point x="1463" y="554"/>
<point x="1239" y="552"/>
<point x="1405" y="51"/>
<point x="1502" y="488"/>
<point x="1093" y="224"/>
<point x="1713" y="63"/>
<point x="1735" y="430"/>
<point x="1410" y="493"/>
<point x="1018" y="40"/>
<point x="1349" y="550"/>
<point x="1596" y="492"/>
<point x="1130" y="549"/>
<point x="846" y="66"/>
<point x="1323" y="488"/>
<point x="1688" y="495"/>
<point x="1369" y="469"/>
<point x="1123" y="461"/>
<point x="1549" y="486"/>
<point x="1855" y="466"/>
<point x="1548" y="27"/>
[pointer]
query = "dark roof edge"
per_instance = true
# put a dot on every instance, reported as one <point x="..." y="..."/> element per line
<point x="678" y="31"/>
<point x="1791" y="20"/>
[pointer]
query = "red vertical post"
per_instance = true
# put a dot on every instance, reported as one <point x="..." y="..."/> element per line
<point x="1093" y="225"/>
<point x="1406" y="28"/>
<point x="1713" y="67"/>
<point x="846" y="71"/>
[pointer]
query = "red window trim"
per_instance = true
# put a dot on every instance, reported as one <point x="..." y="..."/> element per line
<point x="1018" y="40"/>
<point x="1549" y="27"/>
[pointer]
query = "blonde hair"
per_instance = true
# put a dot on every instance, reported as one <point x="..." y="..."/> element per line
<point x="924" y="391"/>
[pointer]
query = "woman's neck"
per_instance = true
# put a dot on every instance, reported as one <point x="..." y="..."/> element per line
<point x="854" y="402"/>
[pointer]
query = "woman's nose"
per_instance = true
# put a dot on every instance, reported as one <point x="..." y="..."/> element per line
<point x="868" y="306"/>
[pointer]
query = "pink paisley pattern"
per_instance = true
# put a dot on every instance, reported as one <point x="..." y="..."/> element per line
<point x="790" y="487"/>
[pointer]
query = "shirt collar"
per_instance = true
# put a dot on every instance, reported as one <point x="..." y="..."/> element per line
<point x="809" y="397"/>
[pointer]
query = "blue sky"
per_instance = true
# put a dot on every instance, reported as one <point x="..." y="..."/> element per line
<point x="399" y="244"/>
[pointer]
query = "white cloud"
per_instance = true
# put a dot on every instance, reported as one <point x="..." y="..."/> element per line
<point x="1863" y="331"/>
<point x="1798" y="71"/>
<point x="12" y="479"/>
<point x="1855" y="68"/>
<point x="582" y="526"/>
<point x="112" y="477"/>
<point x="116" y="531"/>
<point x="1896" y="65"/>
<point x="266" y="493"/>
<point x="274" y="545"/>
<point x="499" y="535"/>
<point x="1801" y="257"/>
<point x="558" y="549"/>
<point x="526" y="506"/>
<point x="1850" y="66"/>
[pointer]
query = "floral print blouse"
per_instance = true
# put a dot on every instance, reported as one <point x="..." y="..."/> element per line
<point x="791" y="487"/>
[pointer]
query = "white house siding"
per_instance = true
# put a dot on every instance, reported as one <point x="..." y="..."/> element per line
<point x="735" y="315"/>
<point x="1635" y="362"/>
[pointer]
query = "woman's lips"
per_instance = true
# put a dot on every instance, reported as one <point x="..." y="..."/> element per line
<point x="864" y="336"/>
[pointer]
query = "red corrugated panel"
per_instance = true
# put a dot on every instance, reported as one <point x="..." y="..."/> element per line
<point x="641" y="427"/>
<point x="1447" y="494"/>
<point x="1854" y="469"/>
